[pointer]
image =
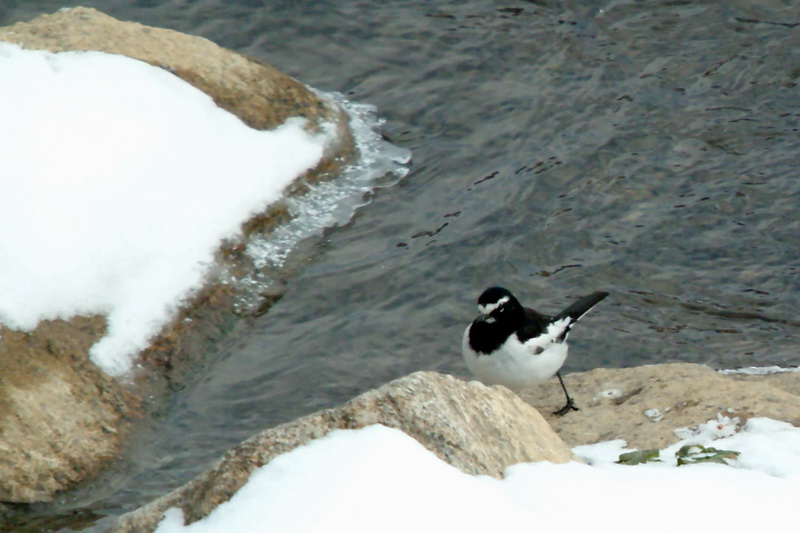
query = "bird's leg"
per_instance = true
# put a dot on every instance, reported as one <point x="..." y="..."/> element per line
<point x="570" y="405"/>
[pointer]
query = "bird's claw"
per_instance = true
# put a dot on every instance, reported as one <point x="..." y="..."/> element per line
<point x="569" y="406"/>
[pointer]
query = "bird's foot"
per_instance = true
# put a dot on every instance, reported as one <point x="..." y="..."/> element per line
<point x="569" y="406"/>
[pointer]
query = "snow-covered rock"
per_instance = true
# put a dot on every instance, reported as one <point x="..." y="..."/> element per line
<point x="62" y="414"/>
<point x="477" y="429"/>
<point x="308" y="475"/>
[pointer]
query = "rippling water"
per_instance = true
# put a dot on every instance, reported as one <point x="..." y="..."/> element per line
<point x="647" y="148"/>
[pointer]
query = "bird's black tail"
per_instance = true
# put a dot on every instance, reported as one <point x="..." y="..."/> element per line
<point x="582" y="306"/>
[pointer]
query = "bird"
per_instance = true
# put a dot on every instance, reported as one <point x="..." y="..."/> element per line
<point x="517" y="347"/>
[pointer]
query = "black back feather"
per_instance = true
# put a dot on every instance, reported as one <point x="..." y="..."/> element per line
<point x="488" y="335"/>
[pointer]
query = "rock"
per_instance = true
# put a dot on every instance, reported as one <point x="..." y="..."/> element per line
<point x="787" y="381"/>
<point x="259" y="94"/>
<point x="478" y="429"/>
<point x="645" y="405"/>
<point x="61" y="417"/>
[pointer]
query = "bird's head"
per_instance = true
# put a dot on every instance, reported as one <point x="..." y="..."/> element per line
<point x="495" y="302"/>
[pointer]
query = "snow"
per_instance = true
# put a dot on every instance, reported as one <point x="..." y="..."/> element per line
<point x="379" y="479"/>
<point x="759" y="370"/>
<point x="119" y="183"/>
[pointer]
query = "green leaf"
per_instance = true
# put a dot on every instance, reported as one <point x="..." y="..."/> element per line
<point x="639" y="457"/>
<point x="695" y="453"/>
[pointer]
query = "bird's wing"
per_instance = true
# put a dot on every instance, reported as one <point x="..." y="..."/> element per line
<point x="537" y="338"/>
<point x="536" y="326"/>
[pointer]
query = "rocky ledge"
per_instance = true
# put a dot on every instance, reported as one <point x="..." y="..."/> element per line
<point x="483" y="430"/>
<point x="61" y="418"/>
<point x="645" y="405"/>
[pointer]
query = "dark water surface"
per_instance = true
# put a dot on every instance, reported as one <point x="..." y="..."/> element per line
<point x="647" y="148"/>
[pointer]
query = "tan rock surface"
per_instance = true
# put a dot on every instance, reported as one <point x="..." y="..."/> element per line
<point x="786" y="381"/>
<point x="478" y="429"/>
<point x="615" y="403"/>
<point x="60" y="417"/>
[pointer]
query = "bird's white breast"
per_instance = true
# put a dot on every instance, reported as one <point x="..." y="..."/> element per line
<point x="518" y="365"/>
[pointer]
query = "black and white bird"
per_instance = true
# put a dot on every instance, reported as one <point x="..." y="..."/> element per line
<point x="518" y="347"/>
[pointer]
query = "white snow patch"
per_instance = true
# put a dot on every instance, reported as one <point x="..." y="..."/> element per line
<point x="119" y="181"/>
<point x="606" y="452"/>
<point x="610" y="394"/>
<point x="654" y="414"/>
<point x="723" y="426"/>
<point x="372" y="479"/>
<point x="379" y="479"/>
<point x="759" y="370"/>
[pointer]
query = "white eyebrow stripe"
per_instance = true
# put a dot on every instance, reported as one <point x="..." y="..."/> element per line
<point x="487" y="309"/>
